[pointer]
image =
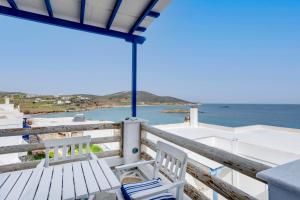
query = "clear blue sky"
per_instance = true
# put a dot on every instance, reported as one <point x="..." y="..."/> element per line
<point x="245" y="51"/>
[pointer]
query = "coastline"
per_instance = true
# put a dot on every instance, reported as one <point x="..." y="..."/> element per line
<point x="104" y="107"/>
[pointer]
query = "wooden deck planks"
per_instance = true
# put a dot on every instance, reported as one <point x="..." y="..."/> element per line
<point x="99" y="175"/>
<point x="79" y="182"/>
<point x="110" y="176"/>
<point x="17" y="190"/>
<point x="44" y="185"/>
<point x="68" y="182"/>
<point x="3" y="178"/>
<point x="31" y="186"/>
<point x="9" y="184"/>
<point x="56" y="183"/>
<point x="90" y="180"/>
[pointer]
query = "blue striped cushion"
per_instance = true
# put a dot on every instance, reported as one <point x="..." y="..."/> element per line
<point x="129" y="189"/>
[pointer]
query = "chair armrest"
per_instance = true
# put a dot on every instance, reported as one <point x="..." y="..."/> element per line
<point x="131" y="165"/>
<point x="93" y="156"/>
<point x="41" y="164"/>
<point x="155" y="191"/>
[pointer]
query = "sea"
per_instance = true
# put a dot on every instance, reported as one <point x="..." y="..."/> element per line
<point x="231" y="115"/>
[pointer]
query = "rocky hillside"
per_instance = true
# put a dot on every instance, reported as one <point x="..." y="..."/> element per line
<point x="32" y="104"/>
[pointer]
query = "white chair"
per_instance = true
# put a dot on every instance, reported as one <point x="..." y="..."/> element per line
<point x="169" y="160"/>
<point x="61" y="150"/>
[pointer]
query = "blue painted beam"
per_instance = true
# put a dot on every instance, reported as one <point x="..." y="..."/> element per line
<point x="143" y="15"/>
<point x="153" y="14"/>
<point x="69" y="24"/>
<point x="141" y="29"/>
<point x="49" y="8"/>
<point x="134" y="77"/>
<point x="113" y="13"/>
<point x="215" y="172"/>
<point x="82" y="11"/>
<point x="12" y="4"/>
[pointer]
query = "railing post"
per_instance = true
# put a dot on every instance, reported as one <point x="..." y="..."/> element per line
<point x="283" y="181"/>
<point x="131" y="140"/>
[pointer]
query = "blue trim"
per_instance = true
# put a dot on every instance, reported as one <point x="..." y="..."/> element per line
<point x="113" y="13"/>
<point x="69" y="24"/>
<point x="143" y="15"/>
<point x="12" y="4"/>
<point x="153" y="14"/>
<point x="141" y="29"/>
<point x="134" y="67"/>
<point x="49" y="8"/>
<point x="215" y="172"/>
<point x="82" y="10"/>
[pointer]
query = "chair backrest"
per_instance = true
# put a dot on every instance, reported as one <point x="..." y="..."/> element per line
<point x="61" y="148"/>
<point x="171" y="161"/>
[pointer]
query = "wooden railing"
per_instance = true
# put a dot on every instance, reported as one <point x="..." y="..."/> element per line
<point x="55" y="129"/>
<point x="240" y="164"/>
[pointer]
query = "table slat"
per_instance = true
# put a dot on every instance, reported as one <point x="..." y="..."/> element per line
<point x="9" y="184"/>
<point x="79" y="179"/>
<point x="17" y="190"/>
<point x="110" y="176"/>
<point x="3" y="178"/>
<point x="100" y="177"/>
<point x="31" y="186"/>
<point x="56" y="183"/>
<point x="68" y="182"/>
<point x="44" y="185"/>
<point x="90" y="180"/>
<point x="80" y="185"/>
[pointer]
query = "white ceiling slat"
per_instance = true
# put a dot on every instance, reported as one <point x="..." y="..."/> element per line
<point x="66" y="9"/>
<point x="34" y="6"/>
<point x="97" y="12"/>
<point x="4" y="3"/>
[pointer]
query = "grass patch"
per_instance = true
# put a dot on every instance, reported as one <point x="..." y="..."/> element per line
<point x="93" y="148"/>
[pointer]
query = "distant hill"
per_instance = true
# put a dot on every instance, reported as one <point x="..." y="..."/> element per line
<point x="2" y="93"/>
<point x="143" y="97"/>
<point x="31" y="104"/>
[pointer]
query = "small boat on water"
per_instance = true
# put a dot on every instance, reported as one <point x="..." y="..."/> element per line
<point x="225" y="106"/>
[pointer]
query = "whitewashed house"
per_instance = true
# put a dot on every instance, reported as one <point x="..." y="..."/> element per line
<point x="10" y="117"/>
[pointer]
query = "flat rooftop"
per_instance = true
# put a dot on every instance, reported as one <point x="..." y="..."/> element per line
<point x="258" y="142"/>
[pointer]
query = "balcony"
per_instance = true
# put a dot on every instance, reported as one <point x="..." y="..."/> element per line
<point x="213" y="167"/>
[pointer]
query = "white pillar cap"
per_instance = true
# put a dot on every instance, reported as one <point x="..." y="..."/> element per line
<point x="286" y="177"/>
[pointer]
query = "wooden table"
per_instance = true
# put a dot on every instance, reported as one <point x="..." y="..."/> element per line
<point x="68" y="181"/>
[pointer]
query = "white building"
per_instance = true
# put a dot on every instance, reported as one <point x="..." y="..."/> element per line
<point x="269" y="145"/>
<point x="10" y="118"/>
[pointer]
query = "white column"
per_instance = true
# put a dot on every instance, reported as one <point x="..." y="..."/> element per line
<point x="194" y="116"/>
<point x="131" y="140"/>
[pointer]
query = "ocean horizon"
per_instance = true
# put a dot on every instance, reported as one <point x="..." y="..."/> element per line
<point x="231" y="115"/>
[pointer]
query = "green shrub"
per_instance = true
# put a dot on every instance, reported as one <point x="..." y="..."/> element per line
<point x="96" y="148"/>
<point x="93" y="148"/>
<point x="41" y="155"/>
